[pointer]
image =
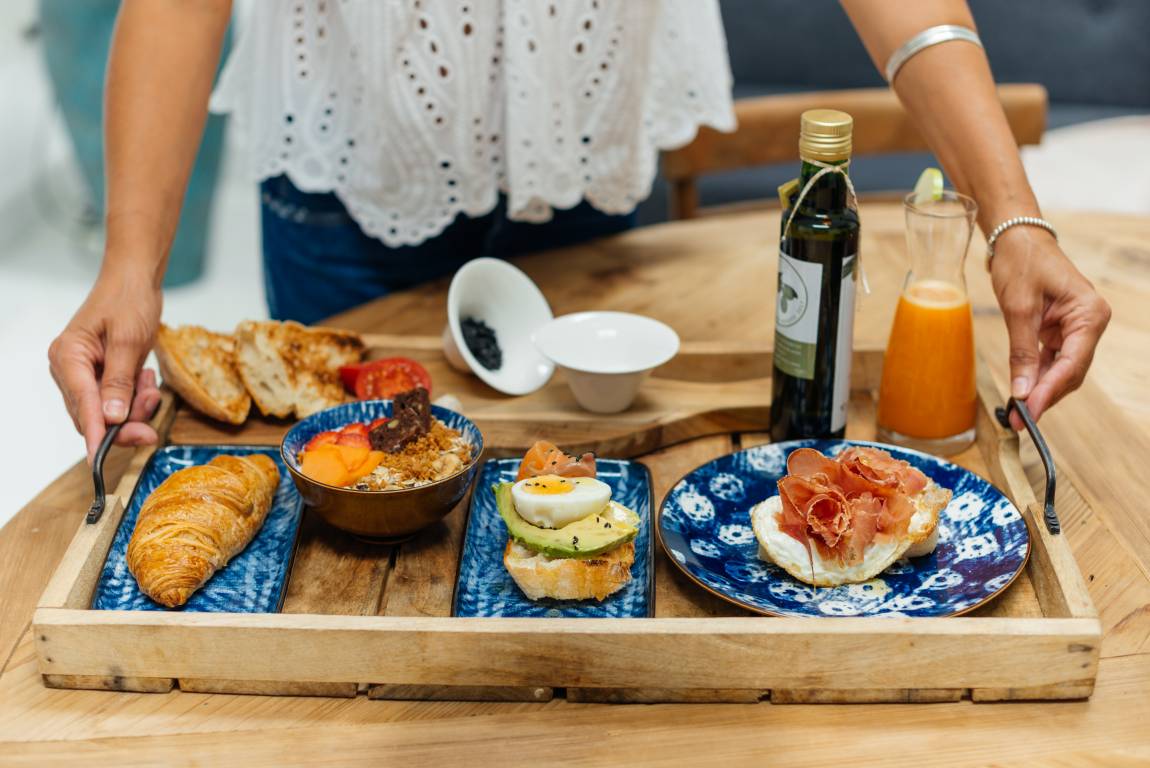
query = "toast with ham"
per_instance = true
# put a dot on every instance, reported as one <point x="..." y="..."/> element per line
<point x="292" y="369"/>
<point x="845" y="520"/>
<point x="200" y="365"/>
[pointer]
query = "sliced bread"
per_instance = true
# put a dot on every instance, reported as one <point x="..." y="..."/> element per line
<point x="569" y="578"/>
<point x="292" y="369"/>
<point x="923" y="530"/>
<point x="200" y="365"/>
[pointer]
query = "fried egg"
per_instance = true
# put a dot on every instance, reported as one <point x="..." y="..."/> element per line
<point x="791" y="555"/>
<point x="550" y="501"/>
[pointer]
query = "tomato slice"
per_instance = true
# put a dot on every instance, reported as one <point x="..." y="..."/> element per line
<point x="384" y="379"/>
<point x="323" y="438"/>
<point x="356" y="439"/>
<point x="348" y="374"/>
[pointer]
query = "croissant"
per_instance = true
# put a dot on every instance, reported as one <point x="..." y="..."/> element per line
<point x="196" y="521"/>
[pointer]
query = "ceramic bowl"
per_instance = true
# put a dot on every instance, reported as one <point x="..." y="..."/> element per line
<point x="512" y="305"/>
<point x="606" y="355"/>
<point x="387" y="516"/>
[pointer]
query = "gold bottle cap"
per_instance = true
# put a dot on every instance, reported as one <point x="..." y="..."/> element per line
<point x="825" y="134"/>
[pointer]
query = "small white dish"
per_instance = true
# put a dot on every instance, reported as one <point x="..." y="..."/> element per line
<point x="512" y="305"/>
<point x="606" y="355"/>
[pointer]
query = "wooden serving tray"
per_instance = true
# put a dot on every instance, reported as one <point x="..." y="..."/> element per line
<point x="363" y="619"/>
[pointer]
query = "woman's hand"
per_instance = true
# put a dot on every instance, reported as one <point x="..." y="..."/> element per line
<point x="96" y="361"/>
<point x="1053" y="315"/>
<point x="161" y="66"/>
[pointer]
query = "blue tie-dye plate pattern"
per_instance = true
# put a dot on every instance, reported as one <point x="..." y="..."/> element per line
<point x="253" y="582"/>
<point x="705" y="527"/>
<point x="486" y="589"/>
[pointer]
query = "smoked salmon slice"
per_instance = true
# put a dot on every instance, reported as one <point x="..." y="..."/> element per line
<point x="546" y="458"/>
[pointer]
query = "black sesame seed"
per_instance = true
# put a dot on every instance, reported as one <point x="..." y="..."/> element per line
<point x="481" y="342"/>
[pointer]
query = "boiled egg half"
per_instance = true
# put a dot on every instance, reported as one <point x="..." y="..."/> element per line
<point x="550" y="501"/>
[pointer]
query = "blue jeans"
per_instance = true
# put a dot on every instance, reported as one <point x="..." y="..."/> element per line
<point x="318" y="262"/>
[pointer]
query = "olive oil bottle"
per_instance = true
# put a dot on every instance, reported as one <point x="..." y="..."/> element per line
<point x="818" y="273"/>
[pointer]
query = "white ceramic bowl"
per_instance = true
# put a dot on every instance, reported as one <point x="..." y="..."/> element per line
<point x="512" y="305"/>
<point x="606" y="355"/>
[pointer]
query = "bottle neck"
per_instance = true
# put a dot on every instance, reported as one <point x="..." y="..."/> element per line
<point x="829" y="192"/>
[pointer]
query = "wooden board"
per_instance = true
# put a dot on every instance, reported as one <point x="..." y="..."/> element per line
<point x="677" y="403"/>
<point x="365" y="619"/>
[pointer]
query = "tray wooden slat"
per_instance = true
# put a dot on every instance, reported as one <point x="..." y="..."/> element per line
<point x="422" y="583"/>
<point x="676" y="653"/>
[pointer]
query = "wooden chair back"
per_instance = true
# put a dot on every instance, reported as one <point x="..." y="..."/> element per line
<point x="768" y="133"/>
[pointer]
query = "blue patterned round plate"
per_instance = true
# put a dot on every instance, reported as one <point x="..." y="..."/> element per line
<point x="705" y="528"/>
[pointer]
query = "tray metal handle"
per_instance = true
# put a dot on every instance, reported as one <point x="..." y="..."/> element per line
<point x="100" y="496"/>
<point x="1002" y="413"/>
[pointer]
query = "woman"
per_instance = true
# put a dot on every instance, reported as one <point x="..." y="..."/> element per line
<point x="395" y="141"/>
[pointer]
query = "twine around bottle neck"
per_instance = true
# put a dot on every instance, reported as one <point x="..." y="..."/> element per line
<point x="852" y="198"/>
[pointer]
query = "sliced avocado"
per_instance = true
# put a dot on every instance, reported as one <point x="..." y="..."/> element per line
<point x="593" y="535"/>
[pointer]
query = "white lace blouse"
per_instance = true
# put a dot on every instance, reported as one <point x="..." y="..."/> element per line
<point x="413" y="111"/>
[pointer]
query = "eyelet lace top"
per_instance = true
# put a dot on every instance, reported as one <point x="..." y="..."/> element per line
<point x="413" y="111"/>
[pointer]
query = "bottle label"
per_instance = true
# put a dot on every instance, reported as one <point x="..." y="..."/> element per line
<point x="797" y="316"/>
<point x="844" y="343"/>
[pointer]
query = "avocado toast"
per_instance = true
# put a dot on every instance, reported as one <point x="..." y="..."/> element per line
<point x="578" y="544"/>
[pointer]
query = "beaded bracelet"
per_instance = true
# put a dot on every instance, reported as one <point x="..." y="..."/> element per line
<point x="1032" y="221"/>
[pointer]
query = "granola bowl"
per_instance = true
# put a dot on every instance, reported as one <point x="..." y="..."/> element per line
<point x="408" y="505"/>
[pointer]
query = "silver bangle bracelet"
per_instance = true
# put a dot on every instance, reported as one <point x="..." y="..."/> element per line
<point x="1032" y="221"/>
<point x="943" y="33"/>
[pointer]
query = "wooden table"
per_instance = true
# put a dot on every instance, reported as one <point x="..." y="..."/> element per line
<point x="710" y="279"/>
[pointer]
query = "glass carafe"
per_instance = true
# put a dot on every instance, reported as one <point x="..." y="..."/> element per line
<point x="928" y="399"/>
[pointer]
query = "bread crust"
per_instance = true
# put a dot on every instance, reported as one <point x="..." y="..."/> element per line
<point x="172" y="348"/>
<point x="569" y="578"/>
<point x="291" y="369"/>
<point x="273" y="397"/>
<point x="923" y="530"/>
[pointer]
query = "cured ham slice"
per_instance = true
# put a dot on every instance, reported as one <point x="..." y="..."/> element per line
<point x="807" y="462"/>
<point x="841" y="505"/>
<point x="866" y="511"/>
<point x="880" y="468"/>
<point x="810" y="505"/>
<point x="545" y="458"/>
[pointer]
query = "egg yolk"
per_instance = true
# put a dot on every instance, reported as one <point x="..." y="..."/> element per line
<point x="548" y="485"/>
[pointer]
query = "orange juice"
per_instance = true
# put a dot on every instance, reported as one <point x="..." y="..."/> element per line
<point x="928" y="388"/>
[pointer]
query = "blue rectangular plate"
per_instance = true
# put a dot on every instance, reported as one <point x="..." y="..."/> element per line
<point x="253" y="582"/>
<point x="486" y="589"/>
